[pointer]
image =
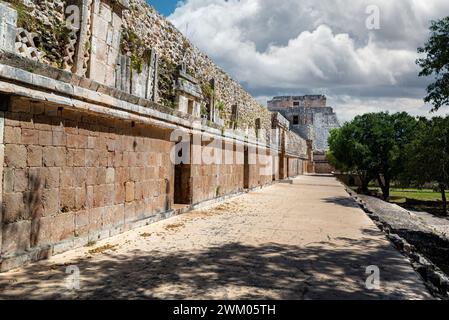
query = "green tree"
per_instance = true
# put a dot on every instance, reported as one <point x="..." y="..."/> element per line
<point x="347" y="155"/>
<point x="428" y="155"/>
<point x="436" y="63"/>
<point x="373" y="144"/>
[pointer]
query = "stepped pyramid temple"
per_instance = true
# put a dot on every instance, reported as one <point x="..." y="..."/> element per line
<point x="311" y="119"/>
<point x="111" y="120"/>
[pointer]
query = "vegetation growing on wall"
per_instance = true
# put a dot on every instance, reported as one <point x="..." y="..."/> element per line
<point x="167" y="77"/>
<point x="51" y="39"/>
<point x="221" y="109"/>
<point x="132" y="45"/>
<point x="207" y="90"/>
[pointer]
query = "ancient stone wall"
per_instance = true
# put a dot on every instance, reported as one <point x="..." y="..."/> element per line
<point x="295" y="145"/>
<point x="310" y="123"/>
<point x="71" y="177"/>
<point x="45" y="37"/>
<point x="160" y="34"/>
<point x="308" y="101"/>
<point x="323" y="123"/>
<point x="222" y="177"/>
<point x="295" y="167"/>
<point x="260" y="167"/>
<point x="83" y="159"/>
<point x="321" y="164"/>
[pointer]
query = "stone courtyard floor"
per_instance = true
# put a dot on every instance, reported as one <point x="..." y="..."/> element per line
<point x="306" y="240"/>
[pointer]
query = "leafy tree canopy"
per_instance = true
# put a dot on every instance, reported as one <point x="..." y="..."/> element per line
<point x="436" y="63"/>
<point x="373" y="146"/>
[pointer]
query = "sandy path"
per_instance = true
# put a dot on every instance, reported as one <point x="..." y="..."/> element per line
<point x="306" y="240"/>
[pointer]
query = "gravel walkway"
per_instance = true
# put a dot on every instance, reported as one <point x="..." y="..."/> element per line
<point x="306" y="240"/>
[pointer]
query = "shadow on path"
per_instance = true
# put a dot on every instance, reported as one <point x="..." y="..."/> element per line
<point x="231" y="271"/>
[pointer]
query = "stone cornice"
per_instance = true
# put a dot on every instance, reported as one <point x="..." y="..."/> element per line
<point x="69" y="90"/>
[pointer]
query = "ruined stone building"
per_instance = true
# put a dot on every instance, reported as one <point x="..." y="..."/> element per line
<point x="311" y="119"/>
<point x="95" y="113"/>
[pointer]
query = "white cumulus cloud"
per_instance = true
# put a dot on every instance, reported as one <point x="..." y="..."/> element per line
<point x="306" y="46"/>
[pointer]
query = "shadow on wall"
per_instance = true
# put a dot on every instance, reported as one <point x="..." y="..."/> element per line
<point x="231" y="271"/>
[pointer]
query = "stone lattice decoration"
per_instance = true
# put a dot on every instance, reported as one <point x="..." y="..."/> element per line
<point x="42" y="34"/>
<point x="25" y="45"/>
<point x="84" y="39"/>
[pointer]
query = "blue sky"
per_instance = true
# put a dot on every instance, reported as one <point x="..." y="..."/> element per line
<point x="166" y="7"/>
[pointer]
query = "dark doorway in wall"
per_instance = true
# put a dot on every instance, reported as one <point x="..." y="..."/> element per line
<point x="190" y="107"/>
<point x="246" y="169"/>
<point x="183" y="182"/>
<point x="281" y="166"/>
<point x="295" y="120"/>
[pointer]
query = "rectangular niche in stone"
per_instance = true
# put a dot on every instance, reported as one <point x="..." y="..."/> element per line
<point x="188" y="93"/>
<point x="8" y="23"/>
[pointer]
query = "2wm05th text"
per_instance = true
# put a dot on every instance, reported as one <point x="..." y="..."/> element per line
<point x="226" y="310"/>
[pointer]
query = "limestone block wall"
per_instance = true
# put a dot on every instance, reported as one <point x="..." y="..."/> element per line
<point x="159" y="34"/>
<point x="75" y="171"/>
<point x="8" y="27"/>
<point x="95" y="49"/>
<point x="105" y="41"/>
<point x="308" y="101"/>
<point x="294" y="167"/>
<point x="315" y="123"/>
<point x="260" y="167"/>
<point x="213" y="180"/>
<point x="321" y="164"/>
<point x="283" y="173"/>
<point x="71" y="178"/>
<point x="323" y="123"/>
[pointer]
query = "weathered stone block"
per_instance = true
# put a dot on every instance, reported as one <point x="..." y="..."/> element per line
<point x="16" y="237"/>
<point x="130" y="212"/>
<point x="21" y="105"/>
<point x="89" y="197"/>
<point x="80" y="176"/>
<point x="67" y="200"/>
<point x="30" y="136"/>
<point x="15" y="155"/>
<point x="8" y="180"/>
<point x="50" y="201"/>
<point x="95" y="219"/>
<point x="59" y="138"/>
<point x="63" y="226"/>
<point x="8" y="22"/>
<point x="129" y="191"/>
<point x="119" y="193"/>
<point x="34" y="156"/>
<point x="43" y="233"/>
<point x="54" y="156"/>
<point x="20" y="180"/>
<point x="109" y="195"/>
<point x="45" y="138"/>
<point x="79" y="158"/>
<point x="110" y="175"/>
<point x="52" y="176"/>
<point x="113" y="216"/>
<point x="99" y="196"/>
<point x="81" y="223"/>
<point x="80" y="198"/>
<point x="13" y="135"/>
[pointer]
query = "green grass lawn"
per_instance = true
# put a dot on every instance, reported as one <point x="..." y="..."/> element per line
<point x="399" y="195"/>
<point x="431" y="199"/>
